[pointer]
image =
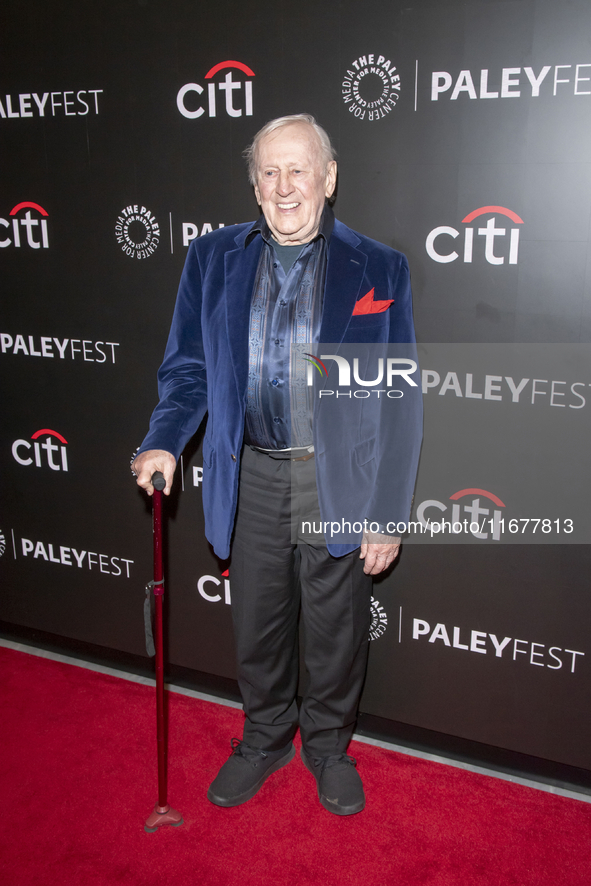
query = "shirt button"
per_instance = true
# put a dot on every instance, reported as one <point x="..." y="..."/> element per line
<point x="282" y="303"/>
<point x="233" y="457"/>
<point x="276" y="341"/>
<point x="275" y="264"/>
<point x="275" y="382"/>
<point x="277" y="420"/>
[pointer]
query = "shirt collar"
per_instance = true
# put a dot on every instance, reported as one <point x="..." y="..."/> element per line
<point x="261" y="227"/>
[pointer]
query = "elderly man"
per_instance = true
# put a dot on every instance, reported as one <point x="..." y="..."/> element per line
<point x="253" y="298"/>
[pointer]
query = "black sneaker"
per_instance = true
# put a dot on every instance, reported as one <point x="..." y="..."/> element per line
<point x="244" y="772"/>
<point x="339" y="786"/>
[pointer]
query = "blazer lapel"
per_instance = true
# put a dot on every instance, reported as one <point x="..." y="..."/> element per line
<point x="344" y="276"/>
<point x="240" y="271"/>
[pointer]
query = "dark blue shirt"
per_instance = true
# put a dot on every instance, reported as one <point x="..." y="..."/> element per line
<point x="286" y="309"/>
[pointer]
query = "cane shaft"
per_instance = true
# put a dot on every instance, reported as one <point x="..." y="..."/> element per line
<point x="159" y="644"/>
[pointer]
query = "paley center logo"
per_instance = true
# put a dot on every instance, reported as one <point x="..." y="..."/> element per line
<point x="379" y="620"/>
<point x="36" y="236"/>
<point x="371" y="87"/>
<point x="481" y="522"/>
<point x="438" y="246"/>
<point x="137" y="231"/>
<point x="224" y="84"/>
<point x="27" y="453"/>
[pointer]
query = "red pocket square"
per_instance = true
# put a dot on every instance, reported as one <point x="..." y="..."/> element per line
<point x="367" y="304"/>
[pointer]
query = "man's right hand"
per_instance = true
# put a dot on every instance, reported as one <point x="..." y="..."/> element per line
<point x="153" y="460"/>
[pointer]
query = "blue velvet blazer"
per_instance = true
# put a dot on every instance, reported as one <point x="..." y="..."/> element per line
<point x="366" y="455"/>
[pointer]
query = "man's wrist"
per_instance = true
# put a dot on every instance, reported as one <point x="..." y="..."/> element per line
<point x="370" y="529"/>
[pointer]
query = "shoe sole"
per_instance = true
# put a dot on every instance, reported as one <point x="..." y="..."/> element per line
<point x="248" y="795"/>
<point x="330" y="805"/>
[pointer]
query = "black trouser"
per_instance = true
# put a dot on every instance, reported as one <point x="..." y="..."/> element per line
<point x="270" y="576"/>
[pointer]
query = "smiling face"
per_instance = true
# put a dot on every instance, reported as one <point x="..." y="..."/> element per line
<point x="292" y="183"/>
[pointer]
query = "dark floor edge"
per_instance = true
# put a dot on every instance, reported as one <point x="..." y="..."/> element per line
<point x="130" y="663"/>
<point x="474" y="753"/>
<point x="428" y="742"/>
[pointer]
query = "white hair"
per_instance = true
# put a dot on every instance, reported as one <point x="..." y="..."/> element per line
<point x="327" y="152"/>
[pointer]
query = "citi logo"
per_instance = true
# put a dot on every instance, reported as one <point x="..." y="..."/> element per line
<point x="481" y="522"/>
<point x="36" y="235"/>
<point x="25" y="452"/>
<point x="226" y="85"/>
<point x="215" y="597"/>
<point x="437" y="245"/>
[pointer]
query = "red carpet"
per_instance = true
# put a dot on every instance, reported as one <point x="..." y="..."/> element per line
<point x="79" y="778"/>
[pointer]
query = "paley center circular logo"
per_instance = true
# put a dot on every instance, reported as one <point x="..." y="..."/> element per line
<point x="137" y="231"/>
<point x="379" y="620"/>
<point x="371" y="87"/>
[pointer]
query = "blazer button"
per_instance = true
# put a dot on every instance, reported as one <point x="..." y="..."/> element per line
<point x="233" y="457"/>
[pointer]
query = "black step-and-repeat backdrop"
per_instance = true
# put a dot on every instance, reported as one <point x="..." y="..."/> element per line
<point x="464" y="139"/>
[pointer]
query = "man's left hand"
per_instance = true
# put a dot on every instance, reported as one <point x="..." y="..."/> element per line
<point x="378" y="551"/>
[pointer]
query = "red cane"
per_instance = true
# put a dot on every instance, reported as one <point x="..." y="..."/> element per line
<point x="162" y="813"/>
